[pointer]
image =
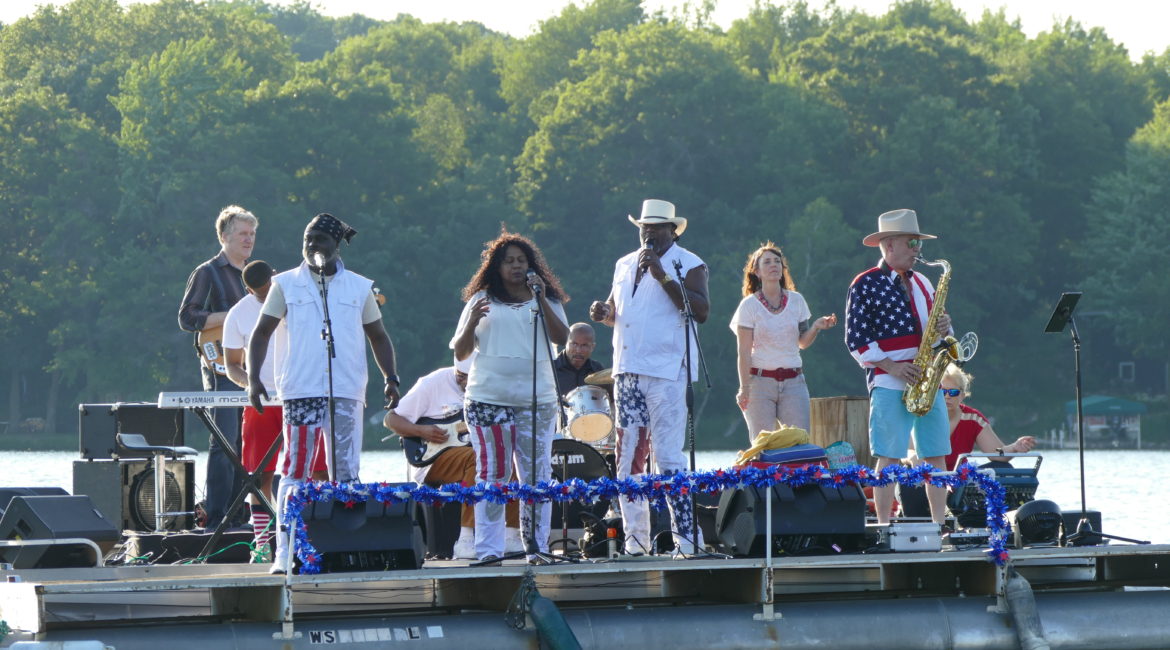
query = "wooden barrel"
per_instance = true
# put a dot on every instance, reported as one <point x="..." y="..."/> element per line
<point x="842" y="418"/>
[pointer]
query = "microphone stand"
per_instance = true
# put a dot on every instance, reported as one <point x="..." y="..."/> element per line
<point x="327" y="336"/>
<point x="539" y="322"/>
<point x="691" y="330"/>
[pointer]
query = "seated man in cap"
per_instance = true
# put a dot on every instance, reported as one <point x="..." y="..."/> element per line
<point x="302" y="375"/>
<point x="438" y="396"/>
<point x="886" y="312"/>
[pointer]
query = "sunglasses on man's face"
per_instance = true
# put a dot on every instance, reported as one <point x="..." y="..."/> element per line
<point x="914" y="243"/>
<point x="951" y="392"/>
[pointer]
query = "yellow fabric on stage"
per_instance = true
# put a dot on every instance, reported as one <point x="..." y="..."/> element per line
<point x="778" y="439"/>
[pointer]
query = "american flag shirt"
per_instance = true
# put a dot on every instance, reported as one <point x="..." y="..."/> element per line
<point x="882" y="322"/>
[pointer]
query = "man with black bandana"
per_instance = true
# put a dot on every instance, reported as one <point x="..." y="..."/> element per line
<point x="302" y="377"/>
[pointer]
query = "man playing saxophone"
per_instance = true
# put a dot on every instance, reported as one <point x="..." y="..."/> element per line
<point x="887" y="313"/>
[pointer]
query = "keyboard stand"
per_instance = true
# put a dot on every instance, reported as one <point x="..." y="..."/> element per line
<point x="251" y="480"/>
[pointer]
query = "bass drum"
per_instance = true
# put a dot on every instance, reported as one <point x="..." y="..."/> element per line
<point x="589" y="418"/>
<point x="572" y="459"/>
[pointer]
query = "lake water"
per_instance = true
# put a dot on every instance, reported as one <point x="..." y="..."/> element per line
<point x="1126" y="486"/>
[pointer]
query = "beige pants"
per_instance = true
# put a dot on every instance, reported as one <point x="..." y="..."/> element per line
<point x="771" y="401"/>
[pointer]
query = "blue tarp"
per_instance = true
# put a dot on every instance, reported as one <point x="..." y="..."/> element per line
<point x="1105" y="405"/>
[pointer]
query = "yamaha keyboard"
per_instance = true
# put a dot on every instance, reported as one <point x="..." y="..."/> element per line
<point x="207" y="399"/>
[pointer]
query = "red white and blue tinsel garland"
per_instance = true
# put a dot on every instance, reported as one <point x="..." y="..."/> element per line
<point x="651" y="487"/>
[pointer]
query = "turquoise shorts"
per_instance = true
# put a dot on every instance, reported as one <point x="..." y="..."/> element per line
<point x="890" y="426"/>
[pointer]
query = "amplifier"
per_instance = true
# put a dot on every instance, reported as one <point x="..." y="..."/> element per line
<point x="123" y="491"/>
<point x="99" y="424"/>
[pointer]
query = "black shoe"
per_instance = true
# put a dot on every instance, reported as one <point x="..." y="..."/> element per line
<point x="491" y="560"/>
<point x="538" y="560"/>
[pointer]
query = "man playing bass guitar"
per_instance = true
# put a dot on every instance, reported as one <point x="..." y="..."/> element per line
<point x="212" y="289"/>
<point x="436" y="452"/>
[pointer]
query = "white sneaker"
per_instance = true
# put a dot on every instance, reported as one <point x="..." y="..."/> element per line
<point x="512" y="541"/>
<point x="465" y="545"/>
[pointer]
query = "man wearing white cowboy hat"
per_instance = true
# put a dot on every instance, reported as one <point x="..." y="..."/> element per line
<point x="885" y="314"/>
<point x="649" y="342"/>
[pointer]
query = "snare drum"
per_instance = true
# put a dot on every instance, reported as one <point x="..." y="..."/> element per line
<point x="588" y="414"/>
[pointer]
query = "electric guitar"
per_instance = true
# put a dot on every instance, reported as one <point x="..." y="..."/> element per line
<point x="210" y="346"/>
<point x="420" y="453"/>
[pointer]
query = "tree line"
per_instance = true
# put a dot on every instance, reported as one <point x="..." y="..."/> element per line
<point x="1041" y="163"/>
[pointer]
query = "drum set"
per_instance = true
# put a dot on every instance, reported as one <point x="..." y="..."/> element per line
<point x="585" y="447"/>
<point x="589" y="414"/>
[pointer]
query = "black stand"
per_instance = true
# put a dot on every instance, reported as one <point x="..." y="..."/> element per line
<point x="327" y="336"/>
<point x="251" y="482"/>
<point x="562" y="423"/>
<point x="540" y="323"/>
<point x="691" y="330"/>
<point x="1061" y="315"/>
<point x="564" y="540"/>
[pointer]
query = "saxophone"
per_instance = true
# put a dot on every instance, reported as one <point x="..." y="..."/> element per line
<point x="919" y="396"/>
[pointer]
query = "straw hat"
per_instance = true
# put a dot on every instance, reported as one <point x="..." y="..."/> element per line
<point x="655" y="211"/>
<point x="896" y="222"/>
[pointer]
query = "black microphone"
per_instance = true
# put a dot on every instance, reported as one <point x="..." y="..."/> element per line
<point x="646" y="246"/>
<point x="319" y="261"/>
<point x="531" y="275"/>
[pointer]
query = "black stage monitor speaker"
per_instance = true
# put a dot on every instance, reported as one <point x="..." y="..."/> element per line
<point x="368" y="536"/>
<point x="123" y="491"/>
<point x="54" y="517"/>
<point x="99" y="424"/>
<point x="805" y="520"/>
<point x="7" y="493"/>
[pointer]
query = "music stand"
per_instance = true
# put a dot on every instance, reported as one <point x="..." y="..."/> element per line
<point x="1061" y="315"/>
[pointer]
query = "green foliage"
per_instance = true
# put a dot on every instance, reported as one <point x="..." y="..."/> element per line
<point x="1040" y="163"/>
<point x="1129" y="237"/>
<point x="536" y="65"/>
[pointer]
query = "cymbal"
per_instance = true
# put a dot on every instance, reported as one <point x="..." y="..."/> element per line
<point x="600" y="378"/>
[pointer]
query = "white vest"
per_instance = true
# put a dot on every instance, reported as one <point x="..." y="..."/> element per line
<point x="649" y="337"/>
<point x="304" y="370"/>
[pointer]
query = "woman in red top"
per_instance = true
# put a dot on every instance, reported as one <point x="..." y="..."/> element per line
<point x="969" y="429"/>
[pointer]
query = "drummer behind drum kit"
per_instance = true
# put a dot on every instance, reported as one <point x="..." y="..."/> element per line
<point x="588" y="412"/>
<point x="588" y="434"/>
